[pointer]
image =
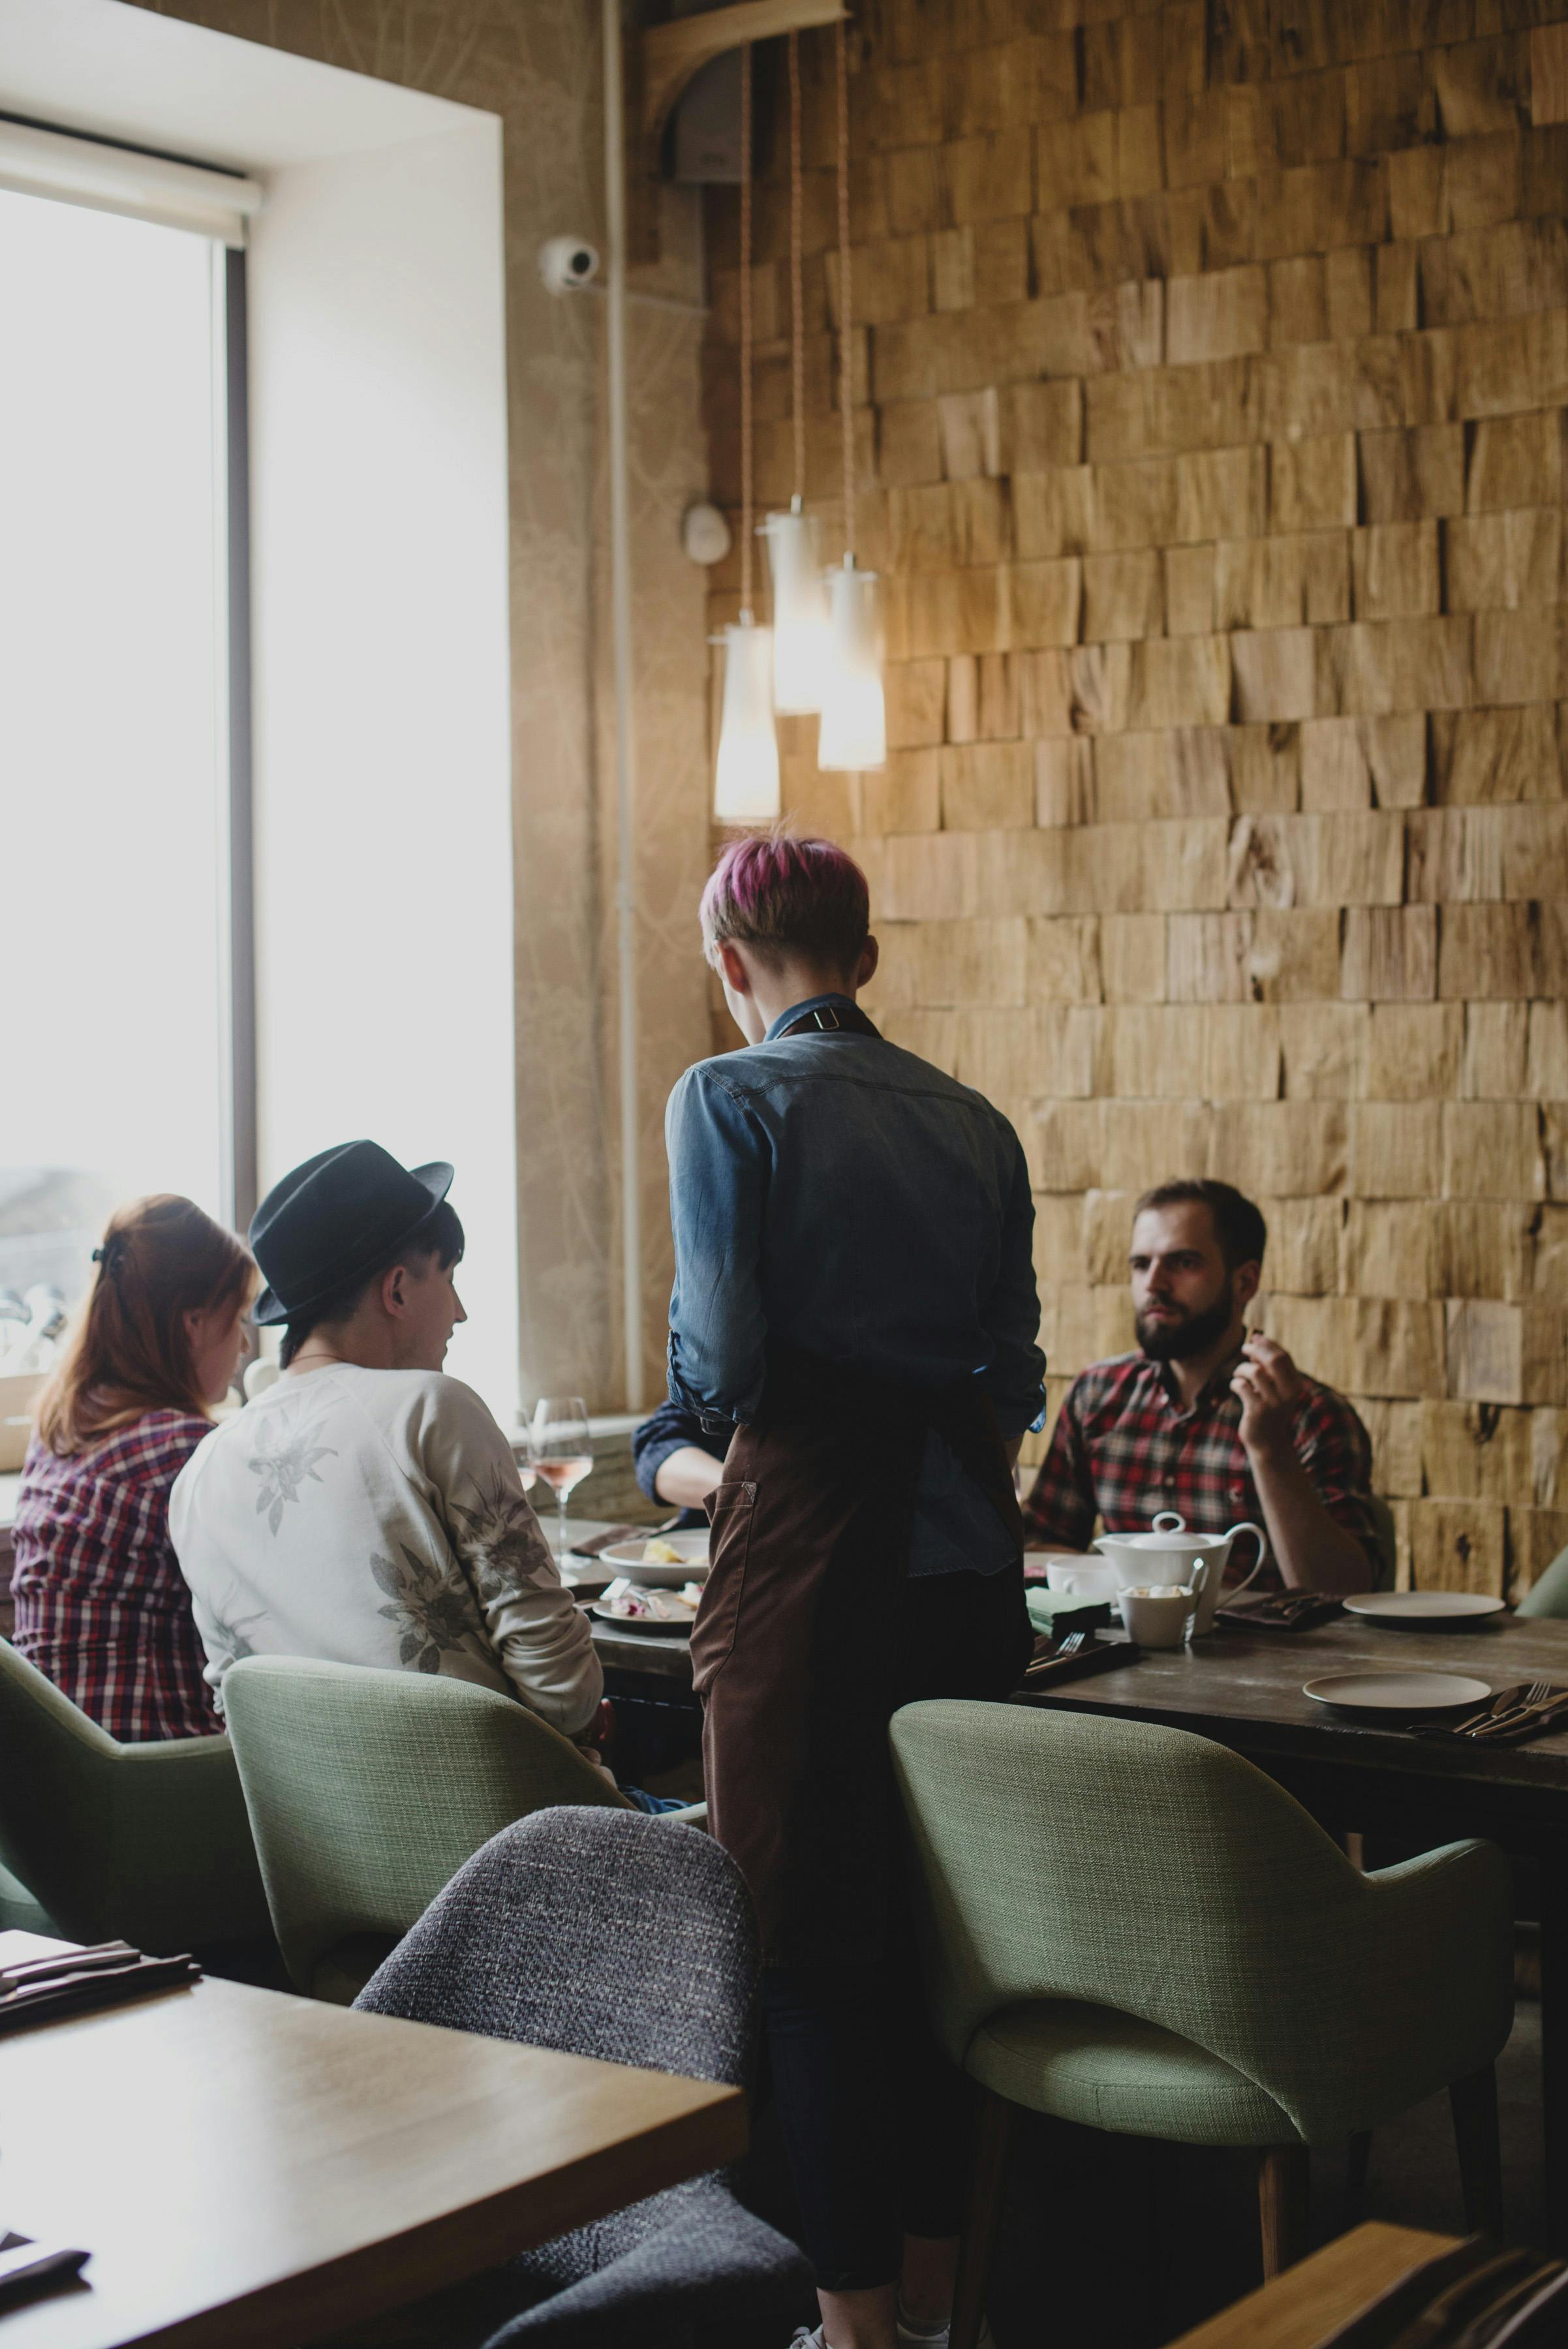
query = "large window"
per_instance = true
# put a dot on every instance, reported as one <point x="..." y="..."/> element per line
<point x="114" y="728"/>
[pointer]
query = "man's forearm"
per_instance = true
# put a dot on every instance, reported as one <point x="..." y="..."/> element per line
<point x="1311" y="1552"/>
<point x="687" y="1477"/>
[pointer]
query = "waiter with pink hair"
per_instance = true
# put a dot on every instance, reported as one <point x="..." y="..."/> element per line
<point x="855" y="1318"/>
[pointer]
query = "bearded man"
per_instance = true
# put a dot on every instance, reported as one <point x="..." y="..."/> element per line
<point x="1206" y="1419"/>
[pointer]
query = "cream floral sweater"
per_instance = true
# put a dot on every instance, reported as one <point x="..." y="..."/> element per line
<point x="378" y="1517"/>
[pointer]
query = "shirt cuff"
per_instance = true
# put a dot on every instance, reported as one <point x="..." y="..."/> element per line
<point x="651" y="1459"/>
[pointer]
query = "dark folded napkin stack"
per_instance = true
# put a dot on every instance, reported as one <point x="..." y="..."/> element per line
<point x="27" y="2267"/>
<point x="1278" y="1611"/>
<point x="596" y="1546"/>
<point x="71" y="1981"/>
<point x="1477" y="2296"/>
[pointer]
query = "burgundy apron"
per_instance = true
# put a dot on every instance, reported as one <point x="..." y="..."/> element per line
<point x="810" y="1634"/>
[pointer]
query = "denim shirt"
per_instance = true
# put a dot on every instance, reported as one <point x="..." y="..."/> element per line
<point x="832" y="1191"/>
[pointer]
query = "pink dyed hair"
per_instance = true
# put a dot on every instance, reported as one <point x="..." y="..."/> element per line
<point x="783" y="897"/>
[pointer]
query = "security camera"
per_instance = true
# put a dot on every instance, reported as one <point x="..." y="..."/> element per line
<point x="566" y="263"/>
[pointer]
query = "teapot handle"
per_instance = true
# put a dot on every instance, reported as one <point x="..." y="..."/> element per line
<point x="1168" y="1522"/>
<point x="1262" y="1541"/>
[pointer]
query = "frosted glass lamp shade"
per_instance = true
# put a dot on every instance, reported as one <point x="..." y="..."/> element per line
<point x="854" y="733"/>
<point x="800" y="613"/>
<point x="746" y="788"/>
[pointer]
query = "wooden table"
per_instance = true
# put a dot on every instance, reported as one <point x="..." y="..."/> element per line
<point x="1302" y="2307"/>
<point x="248" y="2168"/>
<point x="1244" y="1689"/>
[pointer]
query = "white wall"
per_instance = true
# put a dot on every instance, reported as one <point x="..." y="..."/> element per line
<point x="384" y="955"/>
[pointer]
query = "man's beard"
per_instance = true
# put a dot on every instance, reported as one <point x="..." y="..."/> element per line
<point x="1178" y="1341"/>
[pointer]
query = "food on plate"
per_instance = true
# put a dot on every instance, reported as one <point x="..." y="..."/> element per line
<point x="661" y="1553"/>
<point x="628" y="1599"/>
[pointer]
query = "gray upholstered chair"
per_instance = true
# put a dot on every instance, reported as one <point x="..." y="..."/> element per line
<point x="607" y="1933"/>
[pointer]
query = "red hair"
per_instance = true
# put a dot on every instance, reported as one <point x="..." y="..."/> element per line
<point x="130" y="1352"/>
<point x="783" y="897"/>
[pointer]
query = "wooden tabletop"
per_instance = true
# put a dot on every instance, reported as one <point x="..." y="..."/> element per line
<point x="1244" y="1688"/>
<point x="247" y="2168"/>
<point x="1301" y="2308"/>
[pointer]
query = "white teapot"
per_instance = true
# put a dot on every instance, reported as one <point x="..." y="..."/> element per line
<point x="1169" y="1554"/>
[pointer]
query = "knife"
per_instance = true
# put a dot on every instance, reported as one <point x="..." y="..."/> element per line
<point x="1534" y="1717"/>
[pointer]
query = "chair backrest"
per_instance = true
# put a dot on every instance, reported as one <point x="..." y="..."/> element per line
<point x="1548" y="1594"/>
<point x="1134" y="1866"/>
<point x="603" y="1933"/>
<point x="148" y="1841"/>
<point x="600" y="1933"/>
<point x="368" y="1789"/>
<point x="1387" y="1542"/>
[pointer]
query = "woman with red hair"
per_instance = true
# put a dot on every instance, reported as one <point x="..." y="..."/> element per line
<point x="855" y="1316"/>
<point x="102" y="1606"/>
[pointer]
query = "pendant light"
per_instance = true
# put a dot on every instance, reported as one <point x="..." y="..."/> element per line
<point x="854" y="734"/>
<point x="746" y="784"/>
<point x="800" y="593"/>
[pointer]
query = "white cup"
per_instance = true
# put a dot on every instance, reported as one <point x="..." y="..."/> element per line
<point x="1160" y="1614"/>
<point x="1082" y="1578"/>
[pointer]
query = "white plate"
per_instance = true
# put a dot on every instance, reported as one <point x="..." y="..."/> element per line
<point x="652" y="1625"/>
<point x="1423" y="1605"/>
<point x="626" y="1557"/>
<point x="1398" y="1691"/>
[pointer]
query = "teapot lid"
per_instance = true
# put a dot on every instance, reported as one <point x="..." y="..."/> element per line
<point x="1169" y="1534"/>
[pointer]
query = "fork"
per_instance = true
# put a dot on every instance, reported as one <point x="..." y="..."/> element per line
<point x="1536" y="1693"/>
<point x="1069" y="1647"/>
<point x="1541" y="1698"/>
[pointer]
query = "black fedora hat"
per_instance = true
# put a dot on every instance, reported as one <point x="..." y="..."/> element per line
<point x="338" y="1214"/>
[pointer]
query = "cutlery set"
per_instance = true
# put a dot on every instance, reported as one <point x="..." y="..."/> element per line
<point x="1513" y="1713"/>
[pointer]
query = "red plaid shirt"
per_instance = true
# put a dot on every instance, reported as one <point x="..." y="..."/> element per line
<point x="102" y="1606"/>
<point x="1122" y="1449"/>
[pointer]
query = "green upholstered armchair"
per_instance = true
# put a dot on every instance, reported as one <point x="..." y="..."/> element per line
<point x="146" y="1842"/>
<point x="1133" y="1928"/>
<point x="1548" y="1594"/>
<point x="368" y="1790"/>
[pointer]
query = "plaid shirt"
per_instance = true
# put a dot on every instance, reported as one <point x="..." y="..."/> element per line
<point x="1124" y="1449"/>
<point x="101" y="1605"/>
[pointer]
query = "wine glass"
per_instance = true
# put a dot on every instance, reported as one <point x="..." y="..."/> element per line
<point x="562" y="1451"/>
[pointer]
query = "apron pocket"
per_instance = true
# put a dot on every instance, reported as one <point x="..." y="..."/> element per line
<point x="730" y="1511"/>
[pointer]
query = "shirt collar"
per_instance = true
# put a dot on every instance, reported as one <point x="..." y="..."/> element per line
<point x="798" y="1010"/>
<point x="1214" y="1390"/>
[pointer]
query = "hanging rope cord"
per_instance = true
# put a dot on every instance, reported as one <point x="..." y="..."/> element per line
<point x="797" y="275"/>
<point x="746" y="331"/>
<point x="845" y="313"/>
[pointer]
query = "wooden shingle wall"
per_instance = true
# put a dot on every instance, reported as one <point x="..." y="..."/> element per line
<point x="1211" y="384"/>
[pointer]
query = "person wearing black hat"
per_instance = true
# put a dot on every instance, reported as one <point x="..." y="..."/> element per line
<point x="367" y="1508"/>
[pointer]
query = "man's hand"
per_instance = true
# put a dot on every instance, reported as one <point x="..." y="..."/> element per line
<point x="1269" y="1386"/>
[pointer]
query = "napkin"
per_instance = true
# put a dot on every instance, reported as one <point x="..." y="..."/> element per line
<point x="1476" y="2296"/>
<point x="1278" y="1611"/>
<point x="75" y="1981"/>
<point x="597" y="1545"/>
<point x="28" y="2267"/>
